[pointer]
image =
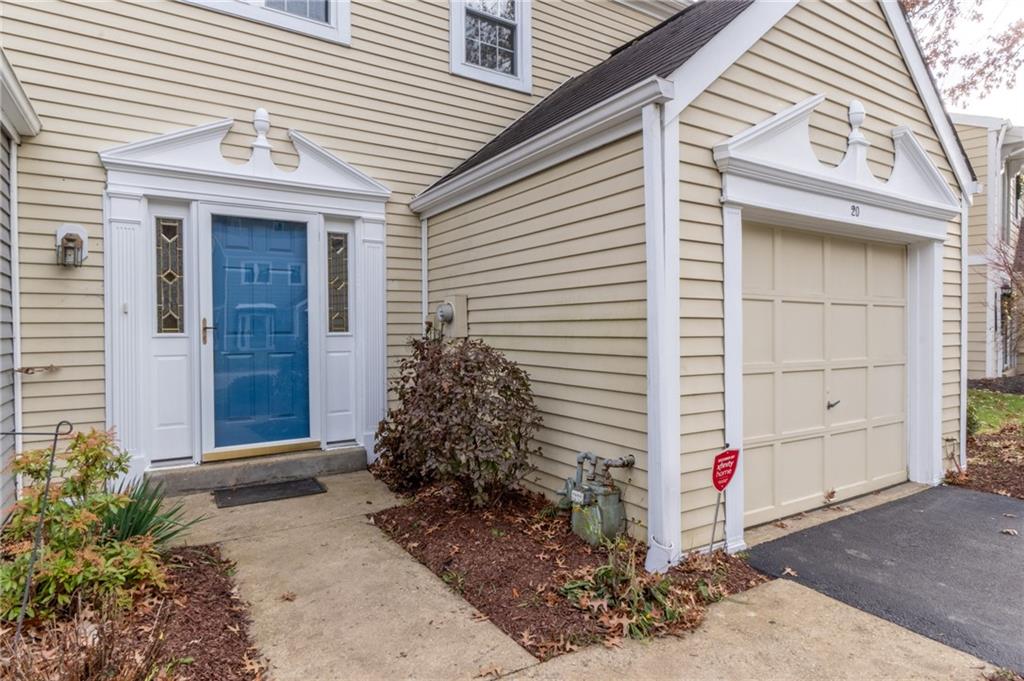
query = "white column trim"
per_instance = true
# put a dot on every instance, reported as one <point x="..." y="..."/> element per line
<point x="732" y="293"/>
<point x="664" y="493"/>
<point x="924" y="362"/>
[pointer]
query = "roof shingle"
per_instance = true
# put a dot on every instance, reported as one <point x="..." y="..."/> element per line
<point x="658" y="52"/>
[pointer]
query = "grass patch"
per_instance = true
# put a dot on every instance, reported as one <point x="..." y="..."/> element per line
<point x="996" y="410"/>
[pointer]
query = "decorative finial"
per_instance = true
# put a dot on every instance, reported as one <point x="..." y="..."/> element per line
<point x="856" y="120"/>
<point x="261" y="122"/>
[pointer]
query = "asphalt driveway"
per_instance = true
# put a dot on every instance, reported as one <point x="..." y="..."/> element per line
<point x="937" y="563"/>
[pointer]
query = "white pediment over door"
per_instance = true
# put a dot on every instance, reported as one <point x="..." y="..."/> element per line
<point x="196" y="152"/>
<point x="772" y="166"/>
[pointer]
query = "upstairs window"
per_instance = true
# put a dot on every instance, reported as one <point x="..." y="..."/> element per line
<point x="326" y="19"/>
<point x="490" y="42"/>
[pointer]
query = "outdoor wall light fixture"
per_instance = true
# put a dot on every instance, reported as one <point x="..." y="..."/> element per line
<point x="72" y="245"/>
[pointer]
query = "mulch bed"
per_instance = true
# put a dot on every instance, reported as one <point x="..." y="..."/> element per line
<point x="511" y="561"/>
<point x="203" y="620"/>
<point x="1008" y="384"/>
<point x="995" y="463"/>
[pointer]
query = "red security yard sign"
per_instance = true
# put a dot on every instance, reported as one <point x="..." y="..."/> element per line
<point x="721" y="475"/>
<point x="724" y="468"/>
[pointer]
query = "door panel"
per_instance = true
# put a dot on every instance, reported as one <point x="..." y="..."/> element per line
<point x="823" y="324"/>
<point x="261" y="331"/>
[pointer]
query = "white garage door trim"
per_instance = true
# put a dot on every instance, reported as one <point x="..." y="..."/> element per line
<point x="770" y="174"/>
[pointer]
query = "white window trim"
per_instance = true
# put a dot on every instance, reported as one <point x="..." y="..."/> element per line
<point x="523" y="80"/>
<point x="338" y="29"/>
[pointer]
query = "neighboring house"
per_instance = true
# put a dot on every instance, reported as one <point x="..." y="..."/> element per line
<point x="740" y="228"/>
<point x="995" y="148"/>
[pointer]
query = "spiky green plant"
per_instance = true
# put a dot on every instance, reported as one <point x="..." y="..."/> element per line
<point x="145" y="514"/>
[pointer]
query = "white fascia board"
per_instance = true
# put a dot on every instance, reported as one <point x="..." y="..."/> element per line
<point x="659" y="9"/>
<point x="15" y="107"/>
<point x="988" y="122"/>
<point x="612" y="119"/>
<point x="722" y="51"/>
<point x="929" y="95"/>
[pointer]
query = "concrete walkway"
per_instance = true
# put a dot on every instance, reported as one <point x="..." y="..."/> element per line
<point x="364" y="609"/>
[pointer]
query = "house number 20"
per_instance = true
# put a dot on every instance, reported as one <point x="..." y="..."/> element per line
<point x="855" y="210"/>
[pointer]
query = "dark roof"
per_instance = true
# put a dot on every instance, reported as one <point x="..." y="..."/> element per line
<point x="658" y="52"/>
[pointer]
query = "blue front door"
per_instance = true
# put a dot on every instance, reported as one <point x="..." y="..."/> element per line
<point x="261" y="331"/>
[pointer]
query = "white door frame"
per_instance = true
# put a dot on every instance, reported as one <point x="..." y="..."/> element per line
<point x="770" y="174"/>
<point x="315" y="286"/>
<point x="186" y="169"/>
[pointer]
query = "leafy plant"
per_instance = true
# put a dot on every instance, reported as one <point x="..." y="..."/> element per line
<point x="76" y="557"/>
<point x="144" y="515"/>
<point x="466" y="416"/>
<point x="635" y="603"/>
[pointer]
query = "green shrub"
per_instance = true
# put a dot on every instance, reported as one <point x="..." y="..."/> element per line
<point x="466" y="416"/>
<point x="76" y="556"/>
<point x="144" y="515"/>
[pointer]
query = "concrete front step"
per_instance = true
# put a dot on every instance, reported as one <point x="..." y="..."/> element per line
<point x="261" y="469"/>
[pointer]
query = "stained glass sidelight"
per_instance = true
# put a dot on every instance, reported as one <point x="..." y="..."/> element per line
<point x="337" y="283"/>
<point x="170" y="279"/>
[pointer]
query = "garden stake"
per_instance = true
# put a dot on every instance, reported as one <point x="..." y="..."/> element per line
<point x="714" y="523"/>
<point x="38" y="539"/>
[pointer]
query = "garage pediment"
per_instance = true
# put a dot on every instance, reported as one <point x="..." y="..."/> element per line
<point x="772" y="166"/>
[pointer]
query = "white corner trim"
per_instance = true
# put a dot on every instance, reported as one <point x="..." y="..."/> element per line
<point x="338" y="28"/>
<point x="16" y="112"/>
<point x="929" y="94"/>
<point x="664" y="490"/>
<point x="711" y="61"/>
<point x="659" y="9"/>
<point x="522" y="79"/>
<point x="613" y="118"/>
<point x="16" y="308"/>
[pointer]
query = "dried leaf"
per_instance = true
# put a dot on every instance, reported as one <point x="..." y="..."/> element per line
<point x="288" y="596"/>
<point x="1010" y="531"/>
<point x="490" y="671"/>
<point x="789" y="572"/>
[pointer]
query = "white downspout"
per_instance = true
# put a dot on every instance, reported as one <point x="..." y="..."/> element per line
<point x="424" y="289"/>
<point x="664" y="514"/>
<point x="964" y="211"/>
<point x="19" y="442"/>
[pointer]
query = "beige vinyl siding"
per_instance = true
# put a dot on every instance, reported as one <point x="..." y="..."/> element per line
<point x="846" y="51"/>
<point x="104" y="74"/>
<point x="554" y="270"/>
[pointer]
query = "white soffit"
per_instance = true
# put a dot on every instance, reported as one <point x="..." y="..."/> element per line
<point x="772" y="165"/>
<point x="195" y="154"/>
<point x="16" y="112"/>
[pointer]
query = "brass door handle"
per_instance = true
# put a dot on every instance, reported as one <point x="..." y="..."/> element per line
<point x="206" y="327"/>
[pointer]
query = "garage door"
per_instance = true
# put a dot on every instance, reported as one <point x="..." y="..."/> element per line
<point x="824" y="369"/>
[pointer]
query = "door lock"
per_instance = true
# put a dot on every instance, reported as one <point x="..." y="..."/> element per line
<point x="830" y="405"/>
<point x="206" y="327"/>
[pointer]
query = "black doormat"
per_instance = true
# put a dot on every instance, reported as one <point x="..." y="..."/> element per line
<point x="255" y="494"/>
